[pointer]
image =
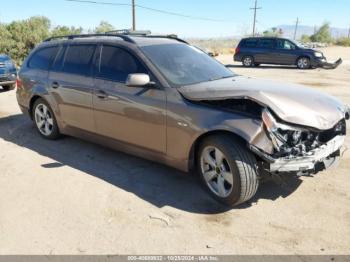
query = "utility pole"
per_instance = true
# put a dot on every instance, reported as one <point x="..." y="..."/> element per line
<point x="133" y="16"/>
<point x="296" y="28"/>
<point x="255" y="8"/>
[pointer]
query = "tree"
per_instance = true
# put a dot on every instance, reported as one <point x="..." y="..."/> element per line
<point x="104" y="27"/>
<point x="323" y="35"/>
<point x="19" y="37"/>
<point x="273" y="32"/>
<point x="305" y="39"/>
<point x="65" y="30"/>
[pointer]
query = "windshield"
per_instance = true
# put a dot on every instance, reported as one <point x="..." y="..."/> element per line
<point x="183" y="64"/>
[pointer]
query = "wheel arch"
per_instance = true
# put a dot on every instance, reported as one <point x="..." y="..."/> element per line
<point x="196" y="144"/>
<point x="301" y="56"/>
<point x="31" y="104"/>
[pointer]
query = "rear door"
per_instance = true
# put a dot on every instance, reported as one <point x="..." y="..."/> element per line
<point x="133" y="115"/>
<point x="265" y="51"/>
<point x="71" y="83"/>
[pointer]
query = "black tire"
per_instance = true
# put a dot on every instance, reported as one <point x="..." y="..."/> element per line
<point x="303" y="63"/>
<point x="9" y="87"/>
<point x="248" y="61"/>
<point x="55" y="133"/>
<point x="243" y="168"/>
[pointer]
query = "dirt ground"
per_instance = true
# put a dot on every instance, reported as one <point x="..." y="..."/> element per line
<point x="74" y="197"/>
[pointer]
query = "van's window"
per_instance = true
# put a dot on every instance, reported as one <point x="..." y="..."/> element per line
<point x="250" y="43"/>
<point x="266" y="43"/>
<point x="285" y="44"/>
<point x="116" y="64"/>
<point x="43" y="58"/>
<point x="78" y="59"/>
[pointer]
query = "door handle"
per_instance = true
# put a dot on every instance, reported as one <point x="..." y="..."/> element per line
<point x="101" y="94"/>
<point x="55" y="85"/>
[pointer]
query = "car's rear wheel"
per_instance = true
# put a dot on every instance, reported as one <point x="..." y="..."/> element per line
<point x="248" y="61"/>
<point x="303" y="63"/>
<point x="45" y="120"/>
<point x="227" y="170"/>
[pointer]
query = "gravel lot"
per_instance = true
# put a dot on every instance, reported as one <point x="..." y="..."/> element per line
<point x="74" y="197"/>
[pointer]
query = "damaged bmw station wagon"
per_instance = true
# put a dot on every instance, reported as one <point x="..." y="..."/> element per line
<point x="160" y="98"/>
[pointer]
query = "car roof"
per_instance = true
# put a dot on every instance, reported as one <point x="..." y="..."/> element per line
<point x="264" y="37"/>
<point x="116" y="38"/>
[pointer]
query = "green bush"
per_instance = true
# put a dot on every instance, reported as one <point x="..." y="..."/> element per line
<point x="344" y="41"/>
<point x="19" y="37"/>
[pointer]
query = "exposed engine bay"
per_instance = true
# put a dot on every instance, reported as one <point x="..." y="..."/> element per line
<point x="294" y="148"/>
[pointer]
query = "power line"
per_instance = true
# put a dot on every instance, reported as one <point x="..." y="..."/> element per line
<point x="151" y="9"/>
<point x="296" y="28"/>
<point x="255" y="8"/>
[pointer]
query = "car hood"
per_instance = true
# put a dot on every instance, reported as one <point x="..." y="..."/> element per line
<point x="292" y="103"/>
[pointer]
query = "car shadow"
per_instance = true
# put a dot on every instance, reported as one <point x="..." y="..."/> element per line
<point x="277" y="67"/>
<point x="152" y="182"/>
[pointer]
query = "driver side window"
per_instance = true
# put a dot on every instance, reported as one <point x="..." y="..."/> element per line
<point x="285" y="44"/>
<point x="116" y="64"/>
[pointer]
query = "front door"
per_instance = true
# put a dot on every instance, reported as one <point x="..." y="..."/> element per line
<point x="285" y="52"/>
<point x="134" y="115"/>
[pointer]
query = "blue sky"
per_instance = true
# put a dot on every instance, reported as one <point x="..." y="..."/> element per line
<point x="274" y="12"/>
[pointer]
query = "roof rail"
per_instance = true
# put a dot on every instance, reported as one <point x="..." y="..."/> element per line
<point x="123" y="34"/>
<point x="171" y="36"/>
<point x="130" y="32"/>
<point x="69" y="37"/>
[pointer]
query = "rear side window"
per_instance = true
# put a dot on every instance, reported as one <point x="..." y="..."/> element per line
<point x="43" y="58"/>
<point x="78" y="59"/>
<point x="116" y="64"/>
<point x="250" y="43"/>
<point x="266" y="43"/>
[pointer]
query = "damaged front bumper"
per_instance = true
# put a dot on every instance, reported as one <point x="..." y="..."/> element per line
<point x="319" y="158"/>
<point x="326" y="65"/>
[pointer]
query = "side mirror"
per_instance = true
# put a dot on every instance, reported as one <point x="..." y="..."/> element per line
<point x="138" y="80"/>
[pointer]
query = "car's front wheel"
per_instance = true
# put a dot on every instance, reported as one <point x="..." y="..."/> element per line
<point x="248" y="61"/>
<point x="303" y="63"/>
<point x="45" y="120"/>
<point x="228" y="170"/>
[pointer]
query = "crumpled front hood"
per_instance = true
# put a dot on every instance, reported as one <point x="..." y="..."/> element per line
<point x="292" y="103"/>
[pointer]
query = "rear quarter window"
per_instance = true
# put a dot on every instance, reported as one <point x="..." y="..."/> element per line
<point x="249" y="43"/>
<point x="42" y="58"/>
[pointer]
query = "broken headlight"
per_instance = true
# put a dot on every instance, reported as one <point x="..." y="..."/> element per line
<point x="288" y="140"/>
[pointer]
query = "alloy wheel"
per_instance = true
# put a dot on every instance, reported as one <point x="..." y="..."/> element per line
<point x="43" y="119"/>
<point x="303" y="63"/>
<point x="216" y="171"/>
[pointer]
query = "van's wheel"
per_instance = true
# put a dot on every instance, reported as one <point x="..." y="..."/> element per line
<point x="303" y="63"/>
<point x="45" y="120"/>
<point x="248" y="61"/>
<point x="228" y="170"/>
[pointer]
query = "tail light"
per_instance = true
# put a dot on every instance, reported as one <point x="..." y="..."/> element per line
<point x="237" y="50"/>
<point x="19" y="83"/>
